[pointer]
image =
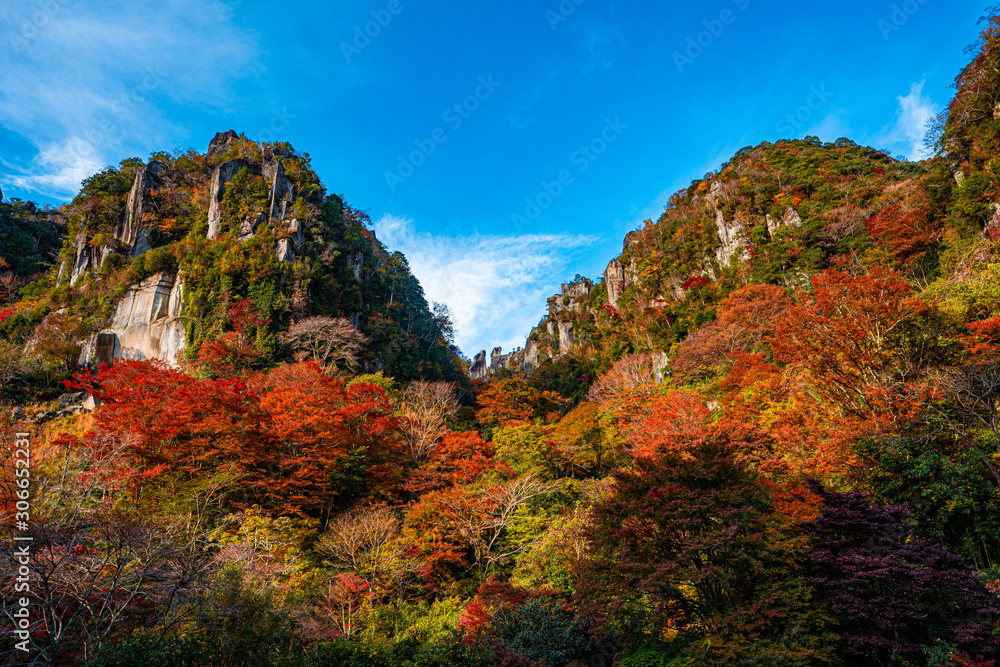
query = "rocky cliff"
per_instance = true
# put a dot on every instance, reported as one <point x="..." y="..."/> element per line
<point x="775" y="213"/>
<point x="158" y="251"/>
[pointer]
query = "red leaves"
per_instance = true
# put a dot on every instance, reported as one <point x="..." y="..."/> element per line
<point x="694" y="282"/>
<point x="843" y="333"/>
<point x="904" y="229"/>
<point x="746" y="318"/>
<point x="286" y="434"/>
<point x="983" y="339"/>
<point x="667" y="418"/>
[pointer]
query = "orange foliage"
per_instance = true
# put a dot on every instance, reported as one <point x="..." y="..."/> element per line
<point x="844" y="334"/>
<point x="747" y="318"/>
<point x="514" y="400"/>
<point x="679" y="413"/>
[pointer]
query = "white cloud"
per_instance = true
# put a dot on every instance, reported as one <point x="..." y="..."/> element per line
<point x="495" y="286"/>
<point x="74" y="73"/>
<point x="907" y="135"/>
<point x="58" y="169"/>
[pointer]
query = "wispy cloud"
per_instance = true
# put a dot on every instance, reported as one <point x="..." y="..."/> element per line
<point x="58" y="169"/>
<point x="495" y="286"/>
<point x="907" y="134"/>
<point x="94" y="82"/>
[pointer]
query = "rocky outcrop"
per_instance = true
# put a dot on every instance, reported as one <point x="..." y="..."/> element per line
<point x="479" y="370"/>
<point x="496" y="360"/>
<point x="572" y="297"/>
<point x="146" y="325"/>
<point x="85" y="258"/>
<point x="356" y="263"/>
<point x="281" y="190"/>
<point x="565" y="337"/>
<point x="660" y="360"/>
<point x="285" y="252"/>
<point x="531" y="359"/>
<point x="614" y="281"/>
<point x="280" y="198"/>
<point x="220" y="142"/>
<point x="730" y="239"/>
<point x="992" y="229"/>
<point x="221" y="177"/>
<point x="133" y="226"/>
<point x="297" y="234"/>
<point x="789" y="218"/>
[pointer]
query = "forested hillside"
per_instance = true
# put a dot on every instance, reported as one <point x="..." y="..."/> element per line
<point x="768" y="435"/>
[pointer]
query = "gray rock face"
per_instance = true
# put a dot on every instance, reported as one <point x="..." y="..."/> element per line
<point x="356" y="263"/>
<point x="86" y="258"/>
<point x="992" y="229"/>
<point x="659" y="361"/>
<point x="281" y="189"/>
<point x="571" y="297"/>
<point x="280" y="200"/>
<point x="479" y="370"/>
<point x="565" y="337"/>
<point x="247" y="229"/>
<point x="220" y="142"/>
<point x="297" y="234"/>
<point x="285" y="252"/>
<point x="729" y="239"/>
<point x="530" y="356"/>
<point x="146" y="324"/>
<point x="790" y="217"/>
<point x="496" y="359"/>
<point x="614" y="280"/>
<point x="221" y="177"/>
<point x="132" y="230"/>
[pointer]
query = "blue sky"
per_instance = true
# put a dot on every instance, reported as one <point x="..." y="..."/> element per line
<point x="502" y="146"/>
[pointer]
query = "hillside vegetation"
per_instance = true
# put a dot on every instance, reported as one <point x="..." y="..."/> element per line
<point x="768" y="435"/>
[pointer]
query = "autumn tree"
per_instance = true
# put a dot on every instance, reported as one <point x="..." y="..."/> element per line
<point x="746" y="319"/>
<point x="424" y="413"/>
<point x="847" y="334"/>
<point x="175" y="422"/>
<point x="514" y="400"/>
<point x="94" y="580"/>
<point x="680" y="549"/>
<point x="332" y="341"/>
<point x="894" y="592"/>
<point x="627" y="385"/>
<point x="367" y="542"/>
<point x="236" y="351"/>
<point x="473" y="522"/>
<point x="664" y="418"/>
<point x="60" y="337"/>
<point x="321" y="426"/>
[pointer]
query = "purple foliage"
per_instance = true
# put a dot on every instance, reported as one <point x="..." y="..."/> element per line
<point x="891" y="590"/>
